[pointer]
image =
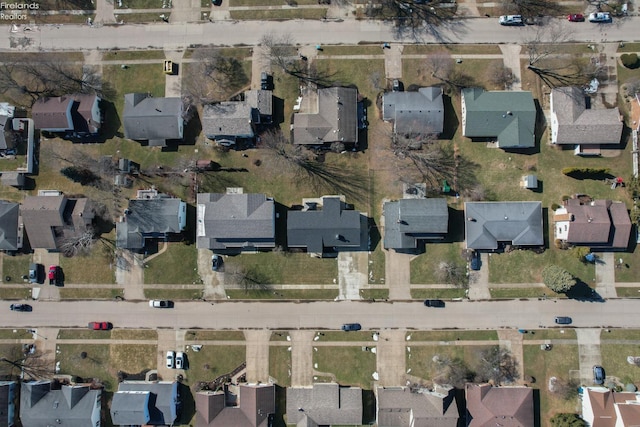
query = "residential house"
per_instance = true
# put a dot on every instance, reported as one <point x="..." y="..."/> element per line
<point x="52" y="218"/>
<point x="408" y="221"/>
<point x="602" y="407"/>
<point x="11" y="228"/>
<point x="151" y="215"/>
<point x="488" y="406"/>
<point x="231" y="122"/>
<point x="45" y="403"/>
<point x="408" y="407"/>
<point x="415" y="113"/>
<point x="490" y="225"/>
<point x="332" y="116"/>
<point x="575" y="124"/>
<point x="8" y="396"/>
<point x="71" y="115"/>
<point x="235" y="221"/>
<point x="324" y="405"/>
<point x="507" y="116"/>
<point x="598" y="224"/>
<point x="248" y="405"/>
<point x="324" y="226"/>
<point x="141" y="403"/>
<point x="156" y="120"/>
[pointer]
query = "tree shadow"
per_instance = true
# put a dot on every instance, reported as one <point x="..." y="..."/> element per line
<point x="451" y="122"/>
<point x="582" y="292"/>
<point x="374" y="234"/>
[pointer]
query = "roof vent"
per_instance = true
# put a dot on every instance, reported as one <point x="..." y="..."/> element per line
<point x="472" y="219"/>
<point x="506" y="217"/>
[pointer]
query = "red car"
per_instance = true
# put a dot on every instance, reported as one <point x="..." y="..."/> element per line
<point x="576" y="17"/>
<point x="99" y="326"/>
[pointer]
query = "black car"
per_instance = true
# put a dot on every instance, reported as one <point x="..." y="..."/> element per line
<point x="216" y="262"/>
<point x="598" y="375"/>
<point x="351" y="327"/>
<point x="563" y="320"/>
<point x="475" y="261"/>
<point x="20" y="307"/>
<point x="438" y="303"/>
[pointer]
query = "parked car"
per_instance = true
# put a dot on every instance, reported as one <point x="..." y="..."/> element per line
<point x="171" y="357"/>
<point x="576" y="17"/>
<point x="511" y="20"/>
<point x="34" y="273"/>
<point x="563" y="320"/>
<point x="20" y="307"/>
<point x="100" y="326"/>
<point x="179" y="360"/>
<point x="598" y="374"/>
<point x="265" y="81"/>
<point x="55" y="275"/>
<point x="437" y="303"/>
<point x="160" y="303"/>
<point x="216" y="262"/>
<point x="351" y="327"/>
<point x="216" y="2"/>
<point x="475" y="263"/>
<point x="600" y="17"/>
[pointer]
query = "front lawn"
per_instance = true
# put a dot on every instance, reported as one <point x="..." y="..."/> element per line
<point x="14" y="267"/>
<point x="212" y="361"/>
<point x="280" y="365"/>
<point x="94" y="268"/>
<point x="420" y="361"/>
<point x="177" y="265"/>
<point x="614" y="361"/>
<point x="350" y="365"/>
<point x="424" y="267"/>
<point x="452" y="336"/>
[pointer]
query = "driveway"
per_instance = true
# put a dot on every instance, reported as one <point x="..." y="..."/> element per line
<point x="398" y="274"/>
<point x="589" y="353"/>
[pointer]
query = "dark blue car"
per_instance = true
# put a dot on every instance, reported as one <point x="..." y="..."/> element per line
<point x="351" y="327"/>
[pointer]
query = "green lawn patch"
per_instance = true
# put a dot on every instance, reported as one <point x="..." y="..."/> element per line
<point x="15" y="334"/>
<point x="282" y="268"/>
<point x="97" y="364"/>
<point x="64" y="18"/>
<point x="293" y="294"/>
<point x="532" y="292"/>
<point x="629" y="47"/>
<point x="141" y="4"/>
<point x="374" y="293"/>
<point x="376" y="265"/>
<point x="525" y="267"/>
<point x="15" y="293"/>
<point x="452" y="336"/>
<point x="130" y="18"/>
<point x="367" y="74"/>
<point x="425" y="266"/>
<point x="279" y="336"/>
<point x="350" y="365"/>
<point x="344" y="336"/>
<point x="627" y="271"/>
<point x="96" y="267"/>
<point x="90" y="293"/>
<point x="280" y="365"/>
<point x="551" y="334"/>
<point x="459" y="49"/>
<point x="352" y="50"/>
<point x="420" y="358"/>
<point x="133" y="358"/>
<point x="128" y="55"/>
<point x="15" y="267"/>
<point x="134" y="334"/>
<point x="542" y="365"/>
<point x="447" y="293"/>
<point x="173" y="294"/>
<point x="628" y="292"/>
<point x="238" y="52"/>
<point x="83" y="334"/>
<point x="213" y="360"/>
<point x="237" y="3"/>
<point x="196" y="335"/>
<point x="614" y="361"/>
<point x="178" y="264"/>
<point x="620" y="334"/>
<point x="278" y="14"/>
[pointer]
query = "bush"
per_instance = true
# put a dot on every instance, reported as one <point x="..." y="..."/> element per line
<point x="557" y="278"/>
<point x="630" y="60"/>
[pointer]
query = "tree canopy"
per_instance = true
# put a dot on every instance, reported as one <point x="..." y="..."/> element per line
<point x="557" y="278"/>
<point x="567" y="420"/>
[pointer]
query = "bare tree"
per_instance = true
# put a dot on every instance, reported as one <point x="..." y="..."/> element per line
<point x="76" y="244"/>
<point x="452" y="371"/>
<point x="500" y="75"/>
<point x="442" y="67"/>
<point x="248" y="278"/>
<point x="453" y="274"/>
<point x="414" y="18"/>
<point x="531" y="8"/>
<point x="21" y="360"/>
<point x="632" y="86"/>
<point x="214" y="77"/>
<point x="547" y="62"/>
<point x="497" y="365"/>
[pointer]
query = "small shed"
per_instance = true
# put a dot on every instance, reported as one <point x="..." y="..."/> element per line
<point x="14" y="179"/>
<point x="530" y="182"/>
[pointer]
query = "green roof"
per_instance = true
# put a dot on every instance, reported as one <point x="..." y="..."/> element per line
<point x="509" y="116"/>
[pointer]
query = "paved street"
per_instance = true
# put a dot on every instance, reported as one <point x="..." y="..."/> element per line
<point x="528" y="314"/>
<point x="181" y="35"/>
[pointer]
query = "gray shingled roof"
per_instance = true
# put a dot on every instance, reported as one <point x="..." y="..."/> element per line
<point x="74" y="406"/>
<point x="331" y="226"/>
<point x="420" y="112"/>
<point x="8" y="393"/>
<point x="576" y="124"/>
<point x="39" y="215"/>
<point x="398" y="406"/>
<point x="227" y="221"/>
<point x="489" y="223"/>
<point x="488" y="406"/>
<point x="9" y="213"/>
<point x="408" y="220"/>
<point x="255" y="404"/>
<point x="152" y="119"/>
<point x="5" y="131"/>
<point x="325" y="404"/>
<point x="227" y="120"/>
<point x="149" y="218"/>
<point x="262" y="100"/>
<point x="132" y="406"/>
<point x="509" y="116"/>
<point x="335" y="121"/>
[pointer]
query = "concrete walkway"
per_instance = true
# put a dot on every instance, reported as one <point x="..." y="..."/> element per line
<point x="130" y="274"/>
<point x="589" y="352"/>
<point x="352" y="274"/>
<point x="398" y="274"/>
<point x="393" y="61"/>
<point x="512" y="340"/>
<point x="511" y="59"/>
<point x="301" y="358"/>
<point x="479" y="280"/>
<point x="257" y="355"/>
<point x="606" y="275"/>
<point x="391" y="358"/>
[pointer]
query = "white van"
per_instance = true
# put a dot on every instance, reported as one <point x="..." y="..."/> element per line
<point x="511" y="20"/>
